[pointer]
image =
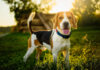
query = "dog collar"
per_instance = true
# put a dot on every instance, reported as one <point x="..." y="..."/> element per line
<point x="64" y="36"/>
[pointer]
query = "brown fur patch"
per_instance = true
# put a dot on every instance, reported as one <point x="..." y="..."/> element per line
<point x="29" y="42"/>
<point x="37" y="43"/>
<point x="51" y="42"/>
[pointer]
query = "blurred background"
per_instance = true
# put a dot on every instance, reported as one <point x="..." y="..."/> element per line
<point x="16" y="12"/>
<point x="85" y="41"/>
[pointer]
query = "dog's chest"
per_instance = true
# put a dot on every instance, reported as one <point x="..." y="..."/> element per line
<point x="60" y="43"/>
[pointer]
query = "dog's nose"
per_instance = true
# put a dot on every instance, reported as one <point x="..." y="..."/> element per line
<point x="66" y="23"/>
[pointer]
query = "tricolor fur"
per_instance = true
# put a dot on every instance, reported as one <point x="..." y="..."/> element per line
<point x="54" y="40"/>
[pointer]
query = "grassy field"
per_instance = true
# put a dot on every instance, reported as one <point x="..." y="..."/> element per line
<point x="84" y="52"/>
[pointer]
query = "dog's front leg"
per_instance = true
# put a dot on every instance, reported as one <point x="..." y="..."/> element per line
<point x="55" y="57"/>
<point x="67" y="59"/>
<point x="54" y="60"/>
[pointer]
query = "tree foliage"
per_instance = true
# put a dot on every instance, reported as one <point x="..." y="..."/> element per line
<point x="86" y="10"/>
<point x="88" y="7"/>
<point x="22" y="7"/>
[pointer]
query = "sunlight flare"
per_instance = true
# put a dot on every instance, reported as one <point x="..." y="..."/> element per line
<point x="62" y="5"/>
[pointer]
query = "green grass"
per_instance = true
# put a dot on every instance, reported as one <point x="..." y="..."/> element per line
<point x="84" y="52"/>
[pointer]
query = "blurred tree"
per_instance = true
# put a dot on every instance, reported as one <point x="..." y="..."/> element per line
<point x="22" y="8"/>
<point x="85" y="10"/>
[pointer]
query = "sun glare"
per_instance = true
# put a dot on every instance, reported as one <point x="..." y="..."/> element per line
<point x="62" y="5"/>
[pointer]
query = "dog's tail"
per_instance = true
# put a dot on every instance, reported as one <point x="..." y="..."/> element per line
<point x="29" y="21"/>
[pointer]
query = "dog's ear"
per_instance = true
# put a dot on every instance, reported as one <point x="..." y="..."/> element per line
<point x="55" y="21"/>
<point x="74" y="21"/>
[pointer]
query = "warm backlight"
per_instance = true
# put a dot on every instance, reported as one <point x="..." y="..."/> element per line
<point x="62" y="5"/>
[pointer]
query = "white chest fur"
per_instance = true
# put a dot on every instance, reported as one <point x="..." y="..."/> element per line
<point x="59" y="43"/>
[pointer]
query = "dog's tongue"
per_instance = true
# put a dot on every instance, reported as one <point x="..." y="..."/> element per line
<point x="66" y="31"/>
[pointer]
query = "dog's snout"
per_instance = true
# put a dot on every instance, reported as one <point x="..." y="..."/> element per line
<point x="66" y="23"/>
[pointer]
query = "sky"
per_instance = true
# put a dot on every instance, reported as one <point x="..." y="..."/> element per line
<point x="7" y="18"/>
<point x="62" y="5"/>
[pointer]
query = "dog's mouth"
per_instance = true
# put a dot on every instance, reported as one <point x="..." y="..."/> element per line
<point x="66" y="31"/>
<point x="66" y="28"/>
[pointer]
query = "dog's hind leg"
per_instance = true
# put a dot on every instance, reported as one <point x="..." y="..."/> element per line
<point x="38" y="53"/>
<point x="28" y="53"/>
<point x="31" y="48"/>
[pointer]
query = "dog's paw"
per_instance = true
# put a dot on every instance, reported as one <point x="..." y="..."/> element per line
<point x="24" y="59"/>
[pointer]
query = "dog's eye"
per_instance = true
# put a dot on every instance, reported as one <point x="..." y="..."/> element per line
<point x="60" y="18"/>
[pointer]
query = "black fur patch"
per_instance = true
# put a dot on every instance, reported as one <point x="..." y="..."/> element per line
<point x="43" y="36"/>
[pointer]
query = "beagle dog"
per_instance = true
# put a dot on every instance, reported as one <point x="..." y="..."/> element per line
<point x="55" y="40"/>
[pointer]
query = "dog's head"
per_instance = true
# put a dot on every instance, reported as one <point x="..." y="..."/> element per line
<point x="64" y="21"/>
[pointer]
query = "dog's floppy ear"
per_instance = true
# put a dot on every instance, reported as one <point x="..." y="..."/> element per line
<point x="55" y="21"/>
<point x="74" y="23"/>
